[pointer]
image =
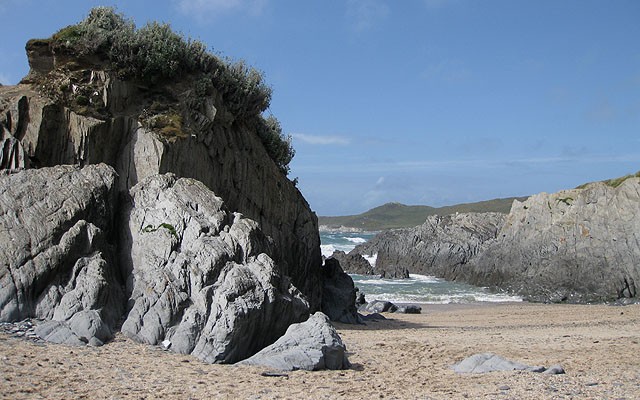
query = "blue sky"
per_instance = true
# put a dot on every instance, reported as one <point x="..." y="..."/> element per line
<point x="430" y="102"/>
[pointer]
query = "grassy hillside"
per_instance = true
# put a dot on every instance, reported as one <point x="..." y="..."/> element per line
<point x="615" y="182"/>
<point x="396" y="215"/>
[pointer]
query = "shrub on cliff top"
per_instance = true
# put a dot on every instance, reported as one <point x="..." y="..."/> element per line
<point x="278" y="144"/>
<point x="155" y="53"/>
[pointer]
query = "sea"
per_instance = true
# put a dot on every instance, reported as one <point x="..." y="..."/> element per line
<point x="417" y="289"/>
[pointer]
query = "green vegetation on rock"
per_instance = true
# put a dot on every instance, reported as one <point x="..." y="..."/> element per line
<point x="615" y="182"/>
<point x="396" y="215"/>
<point x="154" y="55"/>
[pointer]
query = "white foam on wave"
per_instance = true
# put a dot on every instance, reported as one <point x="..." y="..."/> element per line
<point x="328" y="249"/>
<point x="384" y="282"/>
<point x="372" y="259"/>
<point x="425" y="278"/>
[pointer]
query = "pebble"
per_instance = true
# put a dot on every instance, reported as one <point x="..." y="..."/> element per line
<point x="504" y="387"/>
<point x="22" y="329"/>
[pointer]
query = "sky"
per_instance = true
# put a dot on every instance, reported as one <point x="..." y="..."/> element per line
<point x="431" y="102"/>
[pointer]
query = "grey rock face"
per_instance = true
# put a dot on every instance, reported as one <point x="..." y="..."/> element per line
<point x="55" y="260"/>
<point x="576" y="245"/>
<point x="487" y="362"/>
<point x="312" y="345"/>
<point x="353" y="263"/>
<point x="200" y="276"/>
<point x="441" y="246"/>
<point x="223" y="152"/>
<point x="338" y="293"/>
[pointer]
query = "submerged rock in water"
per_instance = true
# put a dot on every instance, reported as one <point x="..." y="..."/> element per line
<point x="353" y="263"/>
<point x="312" y="345"/>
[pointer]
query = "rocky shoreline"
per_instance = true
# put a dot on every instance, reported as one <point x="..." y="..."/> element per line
<point x="577" y="246"/>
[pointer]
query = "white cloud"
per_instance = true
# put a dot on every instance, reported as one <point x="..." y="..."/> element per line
<point x="321" y="140"/>
<point x="206" y="9"/>
<point x="365" y="14"/>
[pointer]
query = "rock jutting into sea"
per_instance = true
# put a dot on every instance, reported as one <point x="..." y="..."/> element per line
<point x="579" y="245"/>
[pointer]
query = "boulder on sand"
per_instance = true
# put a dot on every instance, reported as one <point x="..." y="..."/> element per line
<point x="338" y="293"/>
<point x="312" y="345"/>
<point x="487" y="362"/>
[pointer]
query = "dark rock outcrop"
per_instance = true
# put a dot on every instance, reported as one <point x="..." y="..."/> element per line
<point x="353" y="263"/>
<point x="133" y="233"/>
<point x="200" y="276"/>
<point x="311" y="345"/>
<point x="441" y="246"/>
<point x="56" y="259"/>
<point x="379" y="306"/>
<point x="338" y="293"/>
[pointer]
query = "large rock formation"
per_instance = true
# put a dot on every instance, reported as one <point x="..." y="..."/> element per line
<point x="132" y="236"/>
<point x="89" y="116"/>
<point x="441" y="246"/>
<point x="579" y="245"/>
<point x="200" y="276"/>
<point x="56" y="260"/>
<point x="576" y="245"/>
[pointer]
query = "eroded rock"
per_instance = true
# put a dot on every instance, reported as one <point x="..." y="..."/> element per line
<point x="56" y="261"/>
<point x="200" y="276"/>
<point x="312" y="345"/>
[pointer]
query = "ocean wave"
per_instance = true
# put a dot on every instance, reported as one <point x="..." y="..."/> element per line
<point x="425" y="278"/>
<point x="372" y="259"/>
<point x="328" y="249"/>
<point x="380" y="282"/>
<point x="356" y="240"/>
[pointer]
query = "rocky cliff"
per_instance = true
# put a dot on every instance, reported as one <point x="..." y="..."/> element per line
<point x="154" y="206"/>
<point x="77" y="111"/>
<point x="441" y="246"/>
<point x="579" y="245"/>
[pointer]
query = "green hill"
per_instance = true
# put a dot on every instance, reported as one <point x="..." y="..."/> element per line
<point x="396" y="215"/>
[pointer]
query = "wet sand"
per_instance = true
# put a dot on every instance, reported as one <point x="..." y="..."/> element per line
<point x="405" y="357"/>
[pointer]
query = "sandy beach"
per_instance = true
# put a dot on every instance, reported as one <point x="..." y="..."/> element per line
<point x="405" y="357"/>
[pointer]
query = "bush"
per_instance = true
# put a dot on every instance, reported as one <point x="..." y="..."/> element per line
<point x="155" y="53"/>
<point x="276" y="143"/>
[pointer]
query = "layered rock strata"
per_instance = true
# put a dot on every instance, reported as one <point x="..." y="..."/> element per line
<point x="57" y="260"/>
<point x="213" y="146"/>
<point x="577" y="245"/>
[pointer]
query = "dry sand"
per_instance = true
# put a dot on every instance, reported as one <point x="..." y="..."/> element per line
<point x="406" y="357"/>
